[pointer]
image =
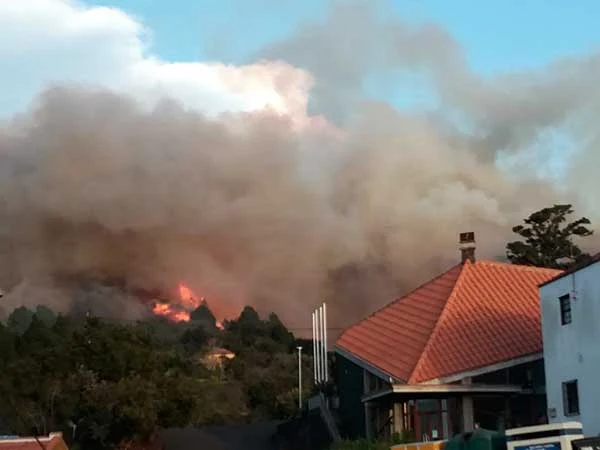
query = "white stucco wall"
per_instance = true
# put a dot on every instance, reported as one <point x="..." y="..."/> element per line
<point x="572" y="351"/>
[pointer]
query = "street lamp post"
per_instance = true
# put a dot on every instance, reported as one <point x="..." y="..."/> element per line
<point x="299" y="377"/>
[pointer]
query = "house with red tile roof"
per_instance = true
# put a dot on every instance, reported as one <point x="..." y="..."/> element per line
<point x="54" y="441"/>
<point x="463" y="348"/>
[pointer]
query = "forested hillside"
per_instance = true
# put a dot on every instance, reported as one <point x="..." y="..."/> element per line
<point x="104" y="383"/>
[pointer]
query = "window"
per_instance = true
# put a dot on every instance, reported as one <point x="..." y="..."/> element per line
<point x="565" y="309"/>
<point x="571" y="398"/>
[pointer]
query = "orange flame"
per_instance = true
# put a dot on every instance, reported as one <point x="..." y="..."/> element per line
<point x="171" y="313"/>
<point x="189" y="300"/>
<point x="180" y="311"/>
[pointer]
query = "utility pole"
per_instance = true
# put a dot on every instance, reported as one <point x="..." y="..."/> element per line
<point x="299" y="377"/>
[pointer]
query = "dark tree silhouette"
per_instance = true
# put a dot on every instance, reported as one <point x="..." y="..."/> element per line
<point x="204" y="316"/>
<point x="548" y="239"/>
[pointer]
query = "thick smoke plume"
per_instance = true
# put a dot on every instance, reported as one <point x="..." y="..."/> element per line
<point x="354" y="203"/>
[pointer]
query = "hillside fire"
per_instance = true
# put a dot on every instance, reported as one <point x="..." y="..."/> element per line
<point x="180" y="310"/>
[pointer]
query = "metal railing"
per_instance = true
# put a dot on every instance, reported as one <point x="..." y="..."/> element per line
<point x="321" y="402"/>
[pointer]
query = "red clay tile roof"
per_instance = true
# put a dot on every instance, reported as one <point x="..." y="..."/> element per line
<point x="52" y="442"/>
<point x="474" y="315"/>
<point x="393" y="338"/>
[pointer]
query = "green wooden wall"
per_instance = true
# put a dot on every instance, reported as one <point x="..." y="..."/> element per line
<point x="349" y="379"/>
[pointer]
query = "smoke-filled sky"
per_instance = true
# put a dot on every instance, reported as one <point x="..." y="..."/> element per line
<point x="283" y="155"/>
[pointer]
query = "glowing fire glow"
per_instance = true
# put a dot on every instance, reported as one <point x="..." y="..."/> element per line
<point x="189" y="300"/>
<point x="166" y="310"/>
<point x="179" y="311"/>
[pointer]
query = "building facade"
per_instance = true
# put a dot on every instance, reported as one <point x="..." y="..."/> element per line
<point x="497" y="397"/>
<point x="570" y="305"/>
<point x="464" y="348"/>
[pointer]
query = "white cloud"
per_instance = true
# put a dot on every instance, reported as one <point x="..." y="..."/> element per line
<point x="62" y="41"/>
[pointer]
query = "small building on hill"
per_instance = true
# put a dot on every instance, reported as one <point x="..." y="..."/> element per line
<point x="570" y="317"/>
<point x="464" y="348"/>
<point x="217" y="356"/>
<point x="54" y="441"/>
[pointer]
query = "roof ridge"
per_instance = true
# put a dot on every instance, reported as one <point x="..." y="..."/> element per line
<point x="439" y="321"/>
<point x="397" y="299"/>
<point x="516" y="266"/>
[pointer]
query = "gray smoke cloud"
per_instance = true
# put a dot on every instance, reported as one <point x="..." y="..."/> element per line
<point x="247" y="209"/>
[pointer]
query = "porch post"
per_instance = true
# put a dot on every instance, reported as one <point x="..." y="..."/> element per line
<point x="445" y="424"/>
<point x="417" y="419"/>
<point x="507" y="416"/>
<point x="368" y="421"/>
<point x="398" y="417"/>
<point x="468" y="421"/>
<point x="467" y="413"/>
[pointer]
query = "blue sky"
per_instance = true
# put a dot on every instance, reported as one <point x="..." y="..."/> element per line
<point x="498" y="35"/>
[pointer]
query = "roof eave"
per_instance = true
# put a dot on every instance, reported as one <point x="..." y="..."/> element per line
<point x="384" y="375"/>
<point x="416" y="390"/>
<point x="475" y="372"/>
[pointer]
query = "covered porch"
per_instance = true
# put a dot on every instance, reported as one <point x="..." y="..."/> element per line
<point x="438" y="411"/>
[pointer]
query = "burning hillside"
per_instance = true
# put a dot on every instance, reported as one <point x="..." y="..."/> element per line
<point x="181" y="308"/>
<point x="114" y="299"/>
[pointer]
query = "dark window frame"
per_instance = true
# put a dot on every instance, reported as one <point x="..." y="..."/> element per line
<point x="570" y="391"/>
<point x="566" y="313"/>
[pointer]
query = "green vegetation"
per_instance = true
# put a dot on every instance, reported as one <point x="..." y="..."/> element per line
<point x="104" y="383"/>
<point x="547" y="239"/>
